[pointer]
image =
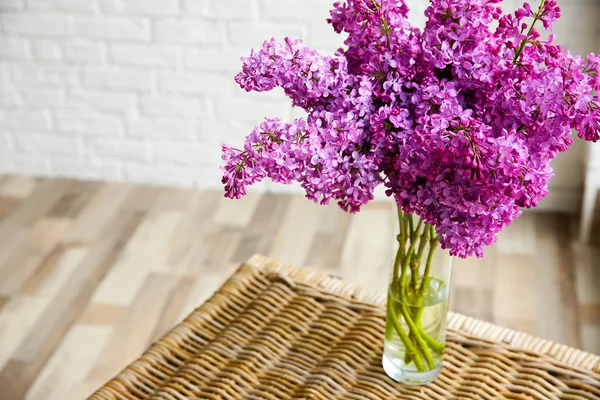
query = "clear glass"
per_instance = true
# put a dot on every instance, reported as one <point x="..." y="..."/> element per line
<point x="417" y="306"/>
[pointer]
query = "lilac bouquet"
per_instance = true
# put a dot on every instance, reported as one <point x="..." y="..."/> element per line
<point x="459" y="121"/>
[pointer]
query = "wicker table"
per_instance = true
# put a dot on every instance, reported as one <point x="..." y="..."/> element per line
<point x="278" y="332"/>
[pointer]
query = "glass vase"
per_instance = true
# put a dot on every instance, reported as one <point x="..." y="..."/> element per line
<point x="417" y="305"/>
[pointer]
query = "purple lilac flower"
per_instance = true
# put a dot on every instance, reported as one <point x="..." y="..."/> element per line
<point x="459" y="121"/>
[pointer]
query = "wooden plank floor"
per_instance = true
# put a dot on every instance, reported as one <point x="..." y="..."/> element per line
<point x="91" y="273"/>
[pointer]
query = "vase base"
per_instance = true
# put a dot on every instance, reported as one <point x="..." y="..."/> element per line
<point x="412" y="378"/>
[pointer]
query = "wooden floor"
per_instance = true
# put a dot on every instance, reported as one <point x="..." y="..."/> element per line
<point x="91" y="273"/>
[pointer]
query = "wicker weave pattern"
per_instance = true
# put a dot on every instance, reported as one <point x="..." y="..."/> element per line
<point x="279" y="332"/>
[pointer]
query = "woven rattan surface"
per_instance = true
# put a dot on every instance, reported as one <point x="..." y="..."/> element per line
<point x="278" y="332"/>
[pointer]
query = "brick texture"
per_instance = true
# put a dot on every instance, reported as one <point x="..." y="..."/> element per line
<point x="143" y="90"/>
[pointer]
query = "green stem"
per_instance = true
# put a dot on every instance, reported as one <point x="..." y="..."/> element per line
<point x="402" y="282"/>
<point x="397" y="263"/>
<point x="405" y="224"/>
<point x="386" y="27"/>
<point x="419" y="345"/>
<point x="405" y="228"/>
<point x="431" y="342"/>
<point x="417" y="312"/>
<point x="433" y="243"/>
<point x="536" y="18"/>
<point x="386" y="31"/>
<point x="423" y="240"/>
<point x="411" y="248"/>
<point x="416" y="261"/>
<point x="416" y="333"/>
<point x="410" y="347"/>
<point x="401" y="247"/>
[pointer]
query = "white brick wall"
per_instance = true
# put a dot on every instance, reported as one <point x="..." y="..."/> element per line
<point x="142" y="90"/>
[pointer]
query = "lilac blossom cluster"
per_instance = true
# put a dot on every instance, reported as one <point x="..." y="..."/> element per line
<point x="458" y="120"/>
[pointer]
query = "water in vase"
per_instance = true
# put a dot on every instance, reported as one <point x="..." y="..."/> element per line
<point x="427" y="312"/>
